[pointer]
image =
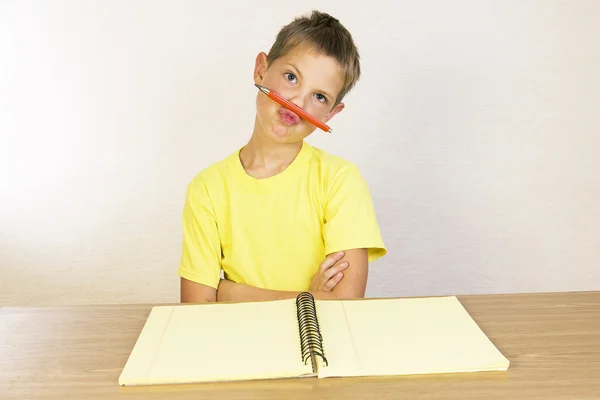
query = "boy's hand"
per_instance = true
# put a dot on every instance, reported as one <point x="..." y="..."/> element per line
<point x="329" y="273"/>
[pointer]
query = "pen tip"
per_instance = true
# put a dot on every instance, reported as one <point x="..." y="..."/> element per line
<point x="262" y="88"/>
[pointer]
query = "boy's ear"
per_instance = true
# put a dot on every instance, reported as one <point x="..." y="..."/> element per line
<point x="260" y="67"/>
<point x="336" y="109"/>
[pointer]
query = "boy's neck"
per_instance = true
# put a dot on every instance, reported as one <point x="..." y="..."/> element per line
<point x="263" y="160"/>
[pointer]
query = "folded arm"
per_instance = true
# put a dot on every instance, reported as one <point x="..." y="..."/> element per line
<point x="193" y="292"/>
<point x="352" y="285"/>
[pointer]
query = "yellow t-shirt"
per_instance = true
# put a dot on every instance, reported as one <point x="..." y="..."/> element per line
<point x="273" y="233"/>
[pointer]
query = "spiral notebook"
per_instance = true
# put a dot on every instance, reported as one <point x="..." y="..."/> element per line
<point x="304" y="337"/>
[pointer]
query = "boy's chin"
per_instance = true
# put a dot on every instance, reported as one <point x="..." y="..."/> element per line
<point x="284" y="134"/>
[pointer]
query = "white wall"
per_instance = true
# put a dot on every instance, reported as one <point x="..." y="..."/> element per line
<point x="476" y="125"/>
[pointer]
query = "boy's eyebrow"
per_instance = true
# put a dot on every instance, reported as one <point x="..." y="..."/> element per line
<point x="300" y="75"/>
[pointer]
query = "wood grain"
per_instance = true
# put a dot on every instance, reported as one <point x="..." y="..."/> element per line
<point x="551" y="339"/>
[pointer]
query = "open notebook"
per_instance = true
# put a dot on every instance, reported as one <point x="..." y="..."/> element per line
<point x="306" y="337"/>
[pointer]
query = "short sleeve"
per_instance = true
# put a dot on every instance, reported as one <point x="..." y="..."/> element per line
<point x="201" y="250"/>
<point x="350" y="220"/>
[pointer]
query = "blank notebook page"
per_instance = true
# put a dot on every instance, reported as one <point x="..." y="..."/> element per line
<point x="196" y="343"/>
<point x="337" y="342"/>
<point x="410" y="336"/>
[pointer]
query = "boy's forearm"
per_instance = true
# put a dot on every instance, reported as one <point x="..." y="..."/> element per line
<point x="238" y="292"/>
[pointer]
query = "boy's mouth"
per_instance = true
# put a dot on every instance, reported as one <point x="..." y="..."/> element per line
<point x="289" y="117"/>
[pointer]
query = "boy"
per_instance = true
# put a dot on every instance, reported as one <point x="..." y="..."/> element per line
<point x="279" y="216"/>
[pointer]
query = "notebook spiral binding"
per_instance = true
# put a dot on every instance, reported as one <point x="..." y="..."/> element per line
<point x="311" y="341"/>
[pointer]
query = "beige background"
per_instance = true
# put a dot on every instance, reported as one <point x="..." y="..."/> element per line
<point x="476" y="125"/>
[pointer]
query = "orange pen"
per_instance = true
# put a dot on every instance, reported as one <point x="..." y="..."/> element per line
<point x="292" y="107"/>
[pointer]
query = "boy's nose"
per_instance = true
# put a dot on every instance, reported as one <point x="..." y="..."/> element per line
<point x="298" y="99"/>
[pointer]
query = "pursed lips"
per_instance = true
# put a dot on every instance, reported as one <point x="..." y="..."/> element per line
<point x="289" y="117"/>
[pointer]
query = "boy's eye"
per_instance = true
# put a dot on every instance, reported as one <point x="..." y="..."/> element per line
<point x="290" y="77"/>
<point x="321" y="98"/>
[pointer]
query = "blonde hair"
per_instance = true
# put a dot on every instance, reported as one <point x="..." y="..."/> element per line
<point x="327" y="36"/>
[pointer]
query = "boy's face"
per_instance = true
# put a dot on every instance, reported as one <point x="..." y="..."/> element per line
<point x="310" y="80"/>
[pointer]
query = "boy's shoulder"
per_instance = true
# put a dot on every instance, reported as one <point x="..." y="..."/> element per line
<point x="333" y="165"/>
<point x="328" y="158"/>
<point x="211" y="175"/>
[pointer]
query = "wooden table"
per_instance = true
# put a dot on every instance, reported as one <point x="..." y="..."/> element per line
<point x="551" y="339"/>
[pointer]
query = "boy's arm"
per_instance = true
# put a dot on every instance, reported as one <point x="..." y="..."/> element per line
<point x="199" y="268"/>
<point x="352" y="285"/>
<point x="192" y="292"/>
